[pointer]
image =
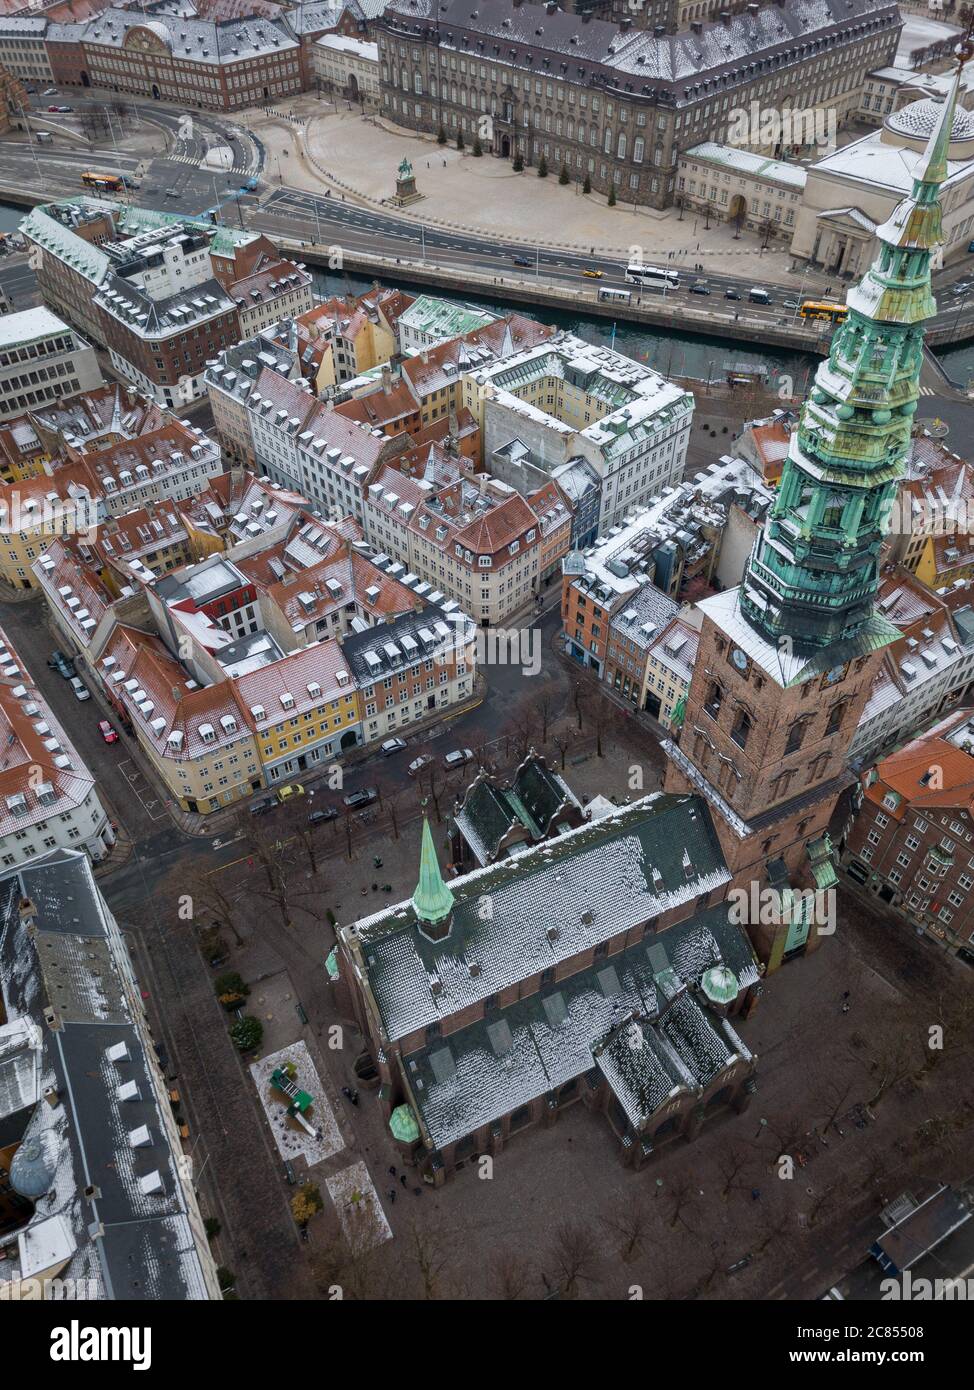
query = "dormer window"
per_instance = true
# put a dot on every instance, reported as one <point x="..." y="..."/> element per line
<point x="484" y="562"/>
<point x="207" y="733"/>
<point x="287" y="700"/>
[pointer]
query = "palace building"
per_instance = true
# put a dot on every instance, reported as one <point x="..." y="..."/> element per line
<point x="614" y="103"/>
<point x="787" y="660"/>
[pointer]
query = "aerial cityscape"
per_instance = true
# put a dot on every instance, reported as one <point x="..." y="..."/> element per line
<point x="487" y="661"/>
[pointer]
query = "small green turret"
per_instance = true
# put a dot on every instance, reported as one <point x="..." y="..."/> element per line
<point x="432" y="900"/>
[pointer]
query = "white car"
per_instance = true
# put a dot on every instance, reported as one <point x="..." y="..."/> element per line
<point x="392" y="745"/>
<point x="458" y="757"/>
<point x="81" y="691"/>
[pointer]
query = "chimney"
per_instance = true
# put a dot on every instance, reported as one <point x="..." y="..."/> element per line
<point x="387" y="379"/>
<point x="550" y="8"/>
<point x="586" y="14"/>
<point x="659" y="30"/>
<point x="27" y="910"/>
<point x="625" y="24"/>
<point x="725" y="18"/>
<point x="696" y="26"/>
<point x="753" y="8"/>
<point x="177" y="694"/>
<point x="52" y="1097"/>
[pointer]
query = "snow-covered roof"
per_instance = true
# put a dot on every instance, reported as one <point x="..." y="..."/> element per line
<point x="756" y="165"/>
<point x="546" y="905"/>
<point x="103" y="1146"/>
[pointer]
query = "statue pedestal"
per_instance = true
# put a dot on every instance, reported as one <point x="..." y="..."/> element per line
<point x="406" y="191"/>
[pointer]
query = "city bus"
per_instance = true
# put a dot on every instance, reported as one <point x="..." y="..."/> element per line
<point x="104" y="183"/>
<point x="615" y="296"/>
<point x="651" y="277"/>
<point x="813" y="309"/>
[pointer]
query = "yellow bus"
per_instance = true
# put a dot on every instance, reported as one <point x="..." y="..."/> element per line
<point x="814" y="309"/>
<point x="104" y="183"/>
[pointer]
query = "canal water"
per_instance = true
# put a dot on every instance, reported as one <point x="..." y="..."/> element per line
<point x="673" y="354"/>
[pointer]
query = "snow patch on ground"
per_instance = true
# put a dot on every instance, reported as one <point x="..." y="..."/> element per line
<point x="364" y="1223"/>
<point x="293" y="1141"/>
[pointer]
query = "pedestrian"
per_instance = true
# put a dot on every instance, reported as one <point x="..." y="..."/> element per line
<point x="392" y="1195"/>
<point x="845" y="994"/>
<point x="392" y="1172"/>
<point x="845" y="1007"/>
<point x="755" y="1194"/>
<point x="403" y="1179"/>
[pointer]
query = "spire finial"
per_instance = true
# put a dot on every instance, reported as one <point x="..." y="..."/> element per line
<point x="432" y="900"/>
<point x="933" y="166"/>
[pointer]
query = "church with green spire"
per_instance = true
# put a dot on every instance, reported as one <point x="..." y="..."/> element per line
<point x="786" y="661"/>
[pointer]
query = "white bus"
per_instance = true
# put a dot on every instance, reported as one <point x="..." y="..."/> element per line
<point x="652" y="277"/>
<point x="616" y="296"/>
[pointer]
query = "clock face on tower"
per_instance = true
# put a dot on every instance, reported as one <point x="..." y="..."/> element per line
<point x="739" y="659"/>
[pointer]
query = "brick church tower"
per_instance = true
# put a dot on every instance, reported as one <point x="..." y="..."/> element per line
<point x="786" y="661"/>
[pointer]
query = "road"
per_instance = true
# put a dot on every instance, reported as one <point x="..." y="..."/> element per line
<point x="176" y="183"/>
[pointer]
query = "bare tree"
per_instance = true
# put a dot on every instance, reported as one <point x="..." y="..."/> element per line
<point x="732" y="1162"/>
<point x="580" y="702"/>
<point x="572" y="1255"/>
<point x="681" y="1191"/>
<point x="545" y="712"/>
<point x="511" y="1275"/>
<point x="563" y="739"/>
<point x="208" y="894"/>
<point x="392" y="806"/>
<point x="832" y="1096"/>
<point x="629" y="1225"/>
<point x="430" y="1256"/>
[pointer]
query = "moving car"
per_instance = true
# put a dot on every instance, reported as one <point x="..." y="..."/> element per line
<point x="392" y="745"/>
<point x="458" y="758"/>
<point x="107" y="732"/>
<point x="81" y="691"/>
<point x="417" y="764"/>
<point x="325" y="814"/>
<point x="700" y="287"/>
<point x="593" y="274"/>
<point x="63" y="109"/>
<point x="293" y="789"/>
<point x="759" y="296"/>
<point x="731" y="294"/>
<point x="364" y="797"/>
<point x="520" y="260"/>
<point x="50" y="91"/>
<point x="261" y="807"/>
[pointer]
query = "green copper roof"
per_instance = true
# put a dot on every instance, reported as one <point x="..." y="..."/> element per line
<point x="404" y="1125"/>
<point x="432" y="899"/>
<point x="719" y="983"/>
<point x="814" y="572"/>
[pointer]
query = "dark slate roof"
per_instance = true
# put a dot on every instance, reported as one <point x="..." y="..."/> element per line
<point x="555" y="900"/>
<point x="489" y="810"/>
<point x="75" y="962"/>
<point x="674" y="67"/>
<point x="430" y="630"/>
<point x="548" y="1039"/>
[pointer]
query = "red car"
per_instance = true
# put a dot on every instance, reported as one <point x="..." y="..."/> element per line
<point x="54" y="108"/>
<point x="107" y="732"/>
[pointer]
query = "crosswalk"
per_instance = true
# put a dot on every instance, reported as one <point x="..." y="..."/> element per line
<point x="242" y="169"/>
<point x="927" y="391"/>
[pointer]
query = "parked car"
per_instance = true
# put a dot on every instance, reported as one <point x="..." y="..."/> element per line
<point x="54" y="108"/>
<point x="62" y="664"/>
<point x="325" y="814"/>
<point x="417" y="764"/>
<point x="731" y="294"/>
<point x="458" y="758"/>
<point x="107" y="732"/>
<point x="292" y="789"/>
<point x="700" y="287"/>
<point x="172" y="192"/>
<point x="289" y="1173"/>
<point x="261" y="807"/>
<point x="392" y="745"/>
<point x="81" y="691"/>
<point x="520" y="260"/>
<point x="365" y="797"/>
<point x="63" y="109"/>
